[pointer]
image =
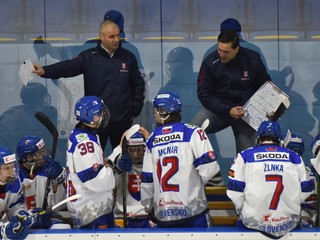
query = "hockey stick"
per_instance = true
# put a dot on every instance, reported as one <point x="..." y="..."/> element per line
<point x="129" y="133"/>
<point x="205" y="124"/>
<point x="55" y="135"/>
<point x="51" y="128"/>
<point x="53" y="208"/>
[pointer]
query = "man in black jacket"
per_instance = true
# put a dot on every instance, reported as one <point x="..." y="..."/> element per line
<point x="111" y="73"/>
<point x="228" y="77"/>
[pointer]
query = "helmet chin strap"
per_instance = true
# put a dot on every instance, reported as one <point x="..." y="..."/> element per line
<point x="164" y="118"/>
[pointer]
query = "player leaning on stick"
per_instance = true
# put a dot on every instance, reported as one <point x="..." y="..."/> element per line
<point x="36" y="168"/>
<point x="136" y="214"/>
<point x="268" y="183"/>
<point x="178" y="162"/>
<point x="12" y="200"/>
<point x="87" y="173"/>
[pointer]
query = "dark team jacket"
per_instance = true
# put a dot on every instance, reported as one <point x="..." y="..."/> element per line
<point x="116" y="80"/>
<point x="223" y="86"/>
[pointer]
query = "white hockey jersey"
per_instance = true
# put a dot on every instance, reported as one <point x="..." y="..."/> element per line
<point x="11" y="202"/>
<point x="178" y="162"/>
<point x="87" y="175"/>
<point x="34" y="188"/>
<point x="267" y="185"/>
<point x="134" y="206"/>
<point x="316" y="162"/>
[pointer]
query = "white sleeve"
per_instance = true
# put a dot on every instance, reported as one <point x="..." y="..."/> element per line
<point x="57" y="194"/>
<point x="237" y="181"/>
<point x="205" y="158"/>
<point x="147" y="186"/>
<point x="316" y="162"/>
<point x="91" y="170"/>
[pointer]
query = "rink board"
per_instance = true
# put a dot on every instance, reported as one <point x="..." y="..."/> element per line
<point x="163" y="234"/>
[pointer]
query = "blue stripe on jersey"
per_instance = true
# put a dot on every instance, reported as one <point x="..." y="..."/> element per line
<point x="14" y="187"/>
<point x="89" y="173"/>
<point x="307" y="186"/>
<point x="204" y="159"/>
<point x="235" y="185"/>
<point x="147" y="177"/>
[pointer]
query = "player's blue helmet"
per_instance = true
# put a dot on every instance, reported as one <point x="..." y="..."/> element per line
<point x="7" y="157"/>
<point x="315" y="145"/>
<point x="89" y="106"/>
<point x="295" y="144"/>
<point x="29" y="145"/>
<point x="269" y="128"/>
<point x="167" y="103"/>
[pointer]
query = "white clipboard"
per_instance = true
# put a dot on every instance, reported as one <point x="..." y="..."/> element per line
<point x="268" y="100"/>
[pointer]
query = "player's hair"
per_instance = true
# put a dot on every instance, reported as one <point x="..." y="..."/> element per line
<point x="229" y="36"/>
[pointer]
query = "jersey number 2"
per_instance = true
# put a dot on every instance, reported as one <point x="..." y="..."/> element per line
<point x="174" y="162"/>
<point x="277" y="192"/>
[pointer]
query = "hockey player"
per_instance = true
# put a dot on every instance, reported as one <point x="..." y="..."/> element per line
<point x="36" y="168"/>
<point x="178" y="162"/>
<point x="268" y="183"/>
<point x="308" y="207"/>
<point x="315" y="146"/>
<point x="136" y="214"/>
<point x="12" y="205"/>
<point x="87" y="173"/>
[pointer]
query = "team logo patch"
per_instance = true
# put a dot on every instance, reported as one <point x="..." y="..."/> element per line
<point x="245" y="75"/>
<point x="212" y="155"/>
<point x="167" y="130"/>
<point x="96" y="167"/>
<point x="123" y="65"/>
<point x="134" y="184"/>
<point x="81" y="137"/>
<point x="231" y="173"/>
<point x="266" y="218"/>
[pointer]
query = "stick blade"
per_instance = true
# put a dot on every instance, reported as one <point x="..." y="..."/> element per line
<point x="132" y="131"/>
<point x="205" y="124"/>
<point x="73" y="197"/>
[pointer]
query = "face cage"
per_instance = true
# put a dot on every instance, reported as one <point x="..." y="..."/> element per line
<point x="136" y="153"/>
<point x="104" y="118"/>
<point x="37" y="159"/>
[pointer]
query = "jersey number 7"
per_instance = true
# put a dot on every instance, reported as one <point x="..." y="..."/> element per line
<point x="277" y="192"/>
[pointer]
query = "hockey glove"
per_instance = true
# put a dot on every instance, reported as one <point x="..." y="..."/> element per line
<point x="52" y="168"/>
<point x="43" y="220"/>
<point x="25" y="218"/>
<point x="125" y="163"/>
<point x="14" y="230"/>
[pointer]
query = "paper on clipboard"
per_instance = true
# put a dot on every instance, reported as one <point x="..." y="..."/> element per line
<point x="269" y="99"/>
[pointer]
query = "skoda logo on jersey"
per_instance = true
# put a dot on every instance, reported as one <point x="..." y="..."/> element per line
<point x="271" y="155"/>
<point x="168" y="138"/>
